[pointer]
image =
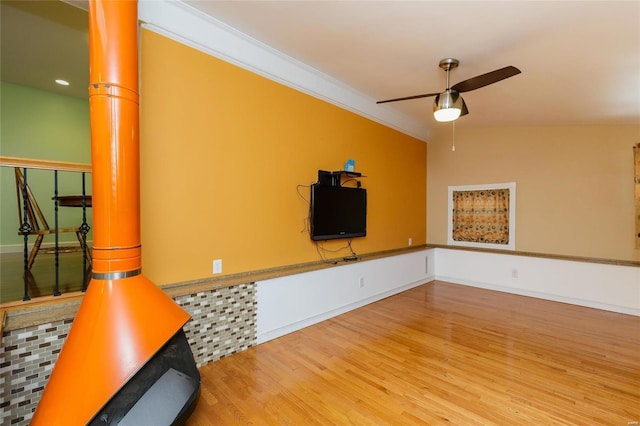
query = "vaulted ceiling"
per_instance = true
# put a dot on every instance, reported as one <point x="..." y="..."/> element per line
<point x="580" y="61"/>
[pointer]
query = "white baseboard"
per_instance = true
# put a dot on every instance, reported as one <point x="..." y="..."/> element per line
<point x="290" y="328"/>
<point x="608" y="287"/>
<point x="289" y="303"/>
<point x="544" y="296"/>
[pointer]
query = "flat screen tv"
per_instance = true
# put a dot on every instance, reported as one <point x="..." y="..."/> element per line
<point x="337" y="212"/>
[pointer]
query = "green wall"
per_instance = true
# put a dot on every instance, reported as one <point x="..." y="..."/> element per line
<point x="41" y="125"/>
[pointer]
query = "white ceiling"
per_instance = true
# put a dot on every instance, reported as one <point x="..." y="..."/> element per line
<point x="580" y="61"/>
<point x="41" y="41"/>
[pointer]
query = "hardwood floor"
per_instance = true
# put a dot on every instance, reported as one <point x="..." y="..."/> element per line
<point x="437" y="354"/>
<point x="41" y="282"/>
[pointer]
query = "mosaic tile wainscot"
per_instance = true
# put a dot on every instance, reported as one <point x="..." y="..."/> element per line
<point x="223" y="322"/>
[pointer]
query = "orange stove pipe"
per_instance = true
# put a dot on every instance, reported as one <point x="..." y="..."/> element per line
<point x="124" y="319"/>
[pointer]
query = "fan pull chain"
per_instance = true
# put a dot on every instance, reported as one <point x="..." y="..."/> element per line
<point x="453" y="135"/>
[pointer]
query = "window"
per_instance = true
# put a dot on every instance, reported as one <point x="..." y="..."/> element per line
<point x="482" y="216"/>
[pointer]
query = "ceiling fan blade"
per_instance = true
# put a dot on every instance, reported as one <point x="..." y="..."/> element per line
<point x="407" y="98"/>
<point x="485" y="79"/>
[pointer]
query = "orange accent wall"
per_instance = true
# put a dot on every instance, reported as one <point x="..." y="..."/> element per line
<point x="222" y="151"/>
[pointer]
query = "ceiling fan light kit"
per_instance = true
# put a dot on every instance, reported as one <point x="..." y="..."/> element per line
<point x="449" y="105"/>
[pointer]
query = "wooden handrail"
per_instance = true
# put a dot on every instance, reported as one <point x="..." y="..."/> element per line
<point x="31" y="219"/>
<point x="32" y="163"/>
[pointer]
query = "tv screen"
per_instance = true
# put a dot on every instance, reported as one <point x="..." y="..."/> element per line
<point x="337" y="212"/>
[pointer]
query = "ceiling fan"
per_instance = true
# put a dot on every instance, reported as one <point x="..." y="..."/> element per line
<point x="449" y="105"/>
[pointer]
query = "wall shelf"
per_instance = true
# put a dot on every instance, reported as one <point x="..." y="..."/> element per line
<point x="335" y="178"/>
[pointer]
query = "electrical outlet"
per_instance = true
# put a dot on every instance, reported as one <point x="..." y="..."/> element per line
<point x="410" y="241"/>
<point x="217" y="266"/>
<point x="361" y="282"/>
<point x="514" y="273"/>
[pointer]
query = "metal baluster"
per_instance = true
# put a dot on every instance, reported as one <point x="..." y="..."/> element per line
<point x="84" y="228"/>
<point x="25" y="228"/>
<point x="56" y="291"/>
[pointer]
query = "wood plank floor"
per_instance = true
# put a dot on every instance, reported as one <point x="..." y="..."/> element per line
<point x="437" y="354"/>
<point x="42" y="279"/>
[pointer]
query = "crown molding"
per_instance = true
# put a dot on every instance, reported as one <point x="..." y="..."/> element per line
<point x="181" y="22"/>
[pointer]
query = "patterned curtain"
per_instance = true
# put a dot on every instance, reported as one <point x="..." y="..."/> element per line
<point x="481" y="216"/>
<point x="636" y="155"/>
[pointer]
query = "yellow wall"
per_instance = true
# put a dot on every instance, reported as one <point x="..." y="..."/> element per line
<point x="574" y="184"/>
<point x="222" y="151"/>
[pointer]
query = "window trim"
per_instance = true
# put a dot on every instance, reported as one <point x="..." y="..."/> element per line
<point x="511" y="186"/>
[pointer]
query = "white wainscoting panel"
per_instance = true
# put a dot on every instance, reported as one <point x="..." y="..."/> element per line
<point x="604" y="286"/>
<point x="293" y="302"/>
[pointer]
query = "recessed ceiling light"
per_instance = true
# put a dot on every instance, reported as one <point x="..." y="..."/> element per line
<point x="62" y="82"/>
